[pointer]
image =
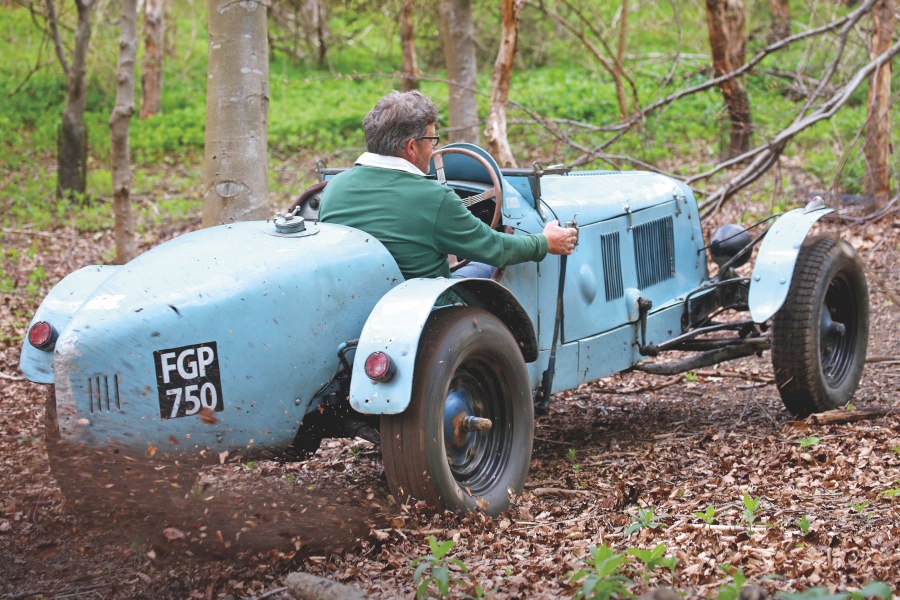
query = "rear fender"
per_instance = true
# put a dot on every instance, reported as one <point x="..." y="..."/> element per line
<point x="61" y="303"/>
<point x="777" y="256"/>
<point x="396" y="324"/>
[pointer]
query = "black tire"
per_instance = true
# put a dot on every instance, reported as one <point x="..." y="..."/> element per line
<point x="468" y="362"/>
<point x="820" y="335"/>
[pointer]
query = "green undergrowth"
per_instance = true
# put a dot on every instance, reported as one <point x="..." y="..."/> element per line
<point x="315" y="110"/>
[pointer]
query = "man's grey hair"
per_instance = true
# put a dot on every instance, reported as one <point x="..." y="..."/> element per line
<point x="397" y="118"/>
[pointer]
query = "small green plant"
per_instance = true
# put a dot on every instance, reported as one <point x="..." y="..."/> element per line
<point x="803" y="523"/>
<point x="809" y="441"/>
<point x="291" y="479"/>
<point x="732" y="590"/>
<point x="603" y="579"/>
<point x="644" y="519"/>
<point x="896" y="449"/>
<point x="251" y="465"/>
<point x="876" y="589"/>
<point x="751" y="512"/>
<point x="434" y="570"/>
<point x="27" y="439"/>
<point x="654" y="558"/>
<point x="891" y="493"/>
<point x="691" y="377"/>
<point x="709" y="516"/>
<point x="570" y="454"/>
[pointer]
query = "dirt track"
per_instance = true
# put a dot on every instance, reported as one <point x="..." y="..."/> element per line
<point x="606" y="450"/>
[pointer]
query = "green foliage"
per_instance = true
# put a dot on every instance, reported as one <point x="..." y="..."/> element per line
<point x="603" y="578"/>
<point x="750" y="512"/>
<point x="654" y="558"/>
<point x="731" y="590"/>
<point x="433" y="572"/>
<point x="809" y="441"/>
<point x="803" y="523"/>
<point x="708" y="516"/>
<point x="643" y="519"/>
<point x="892" y="492"/>
<point x="691" y="377"/>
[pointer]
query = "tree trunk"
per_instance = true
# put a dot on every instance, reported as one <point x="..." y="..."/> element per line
<point x="71" y="171"/>
<point x="235" y="175"/>
<point x="151" y="75"/>
<point x="497" y="142"/>
<point x="408" y="44"/>
<point x="780" y="14"/>
<point x="458" y="37"/>
<point x="119" y="122"/>
<point x="728" y="46"/>
<point x="878" y="123"/>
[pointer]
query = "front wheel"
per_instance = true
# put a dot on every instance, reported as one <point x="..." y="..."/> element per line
<point x="469" y="370"/>
<point x="819" y="336"/>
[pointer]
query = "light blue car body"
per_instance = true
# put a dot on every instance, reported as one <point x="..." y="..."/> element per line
<point x="227" y="338"/>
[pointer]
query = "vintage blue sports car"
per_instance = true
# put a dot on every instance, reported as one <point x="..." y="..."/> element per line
<point x="265" y="337"/>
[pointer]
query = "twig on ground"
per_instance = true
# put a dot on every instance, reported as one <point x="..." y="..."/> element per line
<point x="864" y="413"/>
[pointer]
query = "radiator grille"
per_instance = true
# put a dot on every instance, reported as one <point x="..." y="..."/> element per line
<point x="612" y="265"/>
<point x="654" y="251"/>
<point x="103" y="393"/>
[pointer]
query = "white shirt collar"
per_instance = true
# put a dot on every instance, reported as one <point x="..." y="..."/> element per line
<point x="370" y="159"/>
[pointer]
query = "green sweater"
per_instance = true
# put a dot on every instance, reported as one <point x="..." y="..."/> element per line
<point x="420" y="222"/>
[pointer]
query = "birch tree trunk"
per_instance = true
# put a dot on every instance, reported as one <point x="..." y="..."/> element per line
<point x="408" y="45"/>
<point x="119" y="122"/>
<point x="71" y="158"/>
<point x="495" y="132"/>
<point x="878" y="124"/>
<point x="235" y="175"/>
<point x="728" y="42"/>
<point x="151" y="75"/>
<point x="458" y="37"/>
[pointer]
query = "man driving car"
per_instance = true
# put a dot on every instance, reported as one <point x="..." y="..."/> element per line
<point x="420" y="221"/>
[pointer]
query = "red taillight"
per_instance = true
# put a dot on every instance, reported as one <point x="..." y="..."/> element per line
<point x="379" y="367"/>
<point x="42" y="335"/>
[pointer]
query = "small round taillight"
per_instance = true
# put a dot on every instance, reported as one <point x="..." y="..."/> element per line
<point x="379" y="367"/>
<point x="42" y="335"/>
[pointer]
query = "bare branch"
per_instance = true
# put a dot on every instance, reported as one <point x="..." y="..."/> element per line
<point x="54" y="34"/>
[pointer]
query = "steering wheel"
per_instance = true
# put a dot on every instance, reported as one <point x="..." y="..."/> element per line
<point x="309" y="201"/>
<point x="495" y="192"/>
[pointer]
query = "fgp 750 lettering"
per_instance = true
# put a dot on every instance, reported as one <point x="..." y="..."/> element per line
<point x="188" y="380"/>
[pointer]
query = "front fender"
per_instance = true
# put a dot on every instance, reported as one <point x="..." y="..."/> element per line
<point x="61" y="303"/>
<point x="777" y="256"/>
<point x="396" y="324"/>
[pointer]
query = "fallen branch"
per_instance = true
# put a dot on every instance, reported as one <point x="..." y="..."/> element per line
<point x="647" y="388"/>
<point x="865" y="413"/>
<point x="559" y="492"/>
<point x="27" y="232"/>
<point x="735" y="374"/>
<point x="11" y="377"/>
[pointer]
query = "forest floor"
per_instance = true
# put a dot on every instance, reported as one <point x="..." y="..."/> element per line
<point x="607" y="453"/>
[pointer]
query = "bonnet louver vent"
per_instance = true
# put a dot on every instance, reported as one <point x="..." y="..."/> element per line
<point x="612" y="265"/>
<point x="654" y="251"/>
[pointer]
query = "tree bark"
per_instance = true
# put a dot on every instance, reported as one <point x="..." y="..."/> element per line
<point x="780" y="15"/>
<point x="151" y="75"/>
<point x="408" y="45"/>
<point x="71" y="159"/>
<point x="119" y="121"/>
<point x="725" y="19"/>
<point x="878" y="123"/>
<point x="495" y="132"/>
<point x="235" y="175"/>
<point x="458" y="36"/>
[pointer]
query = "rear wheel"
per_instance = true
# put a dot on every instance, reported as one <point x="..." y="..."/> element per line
<point x="469" y="369"/>
<point x="819" y="336"/>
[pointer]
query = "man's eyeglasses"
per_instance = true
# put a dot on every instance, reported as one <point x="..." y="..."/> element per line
<point x="435" y="139"/>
